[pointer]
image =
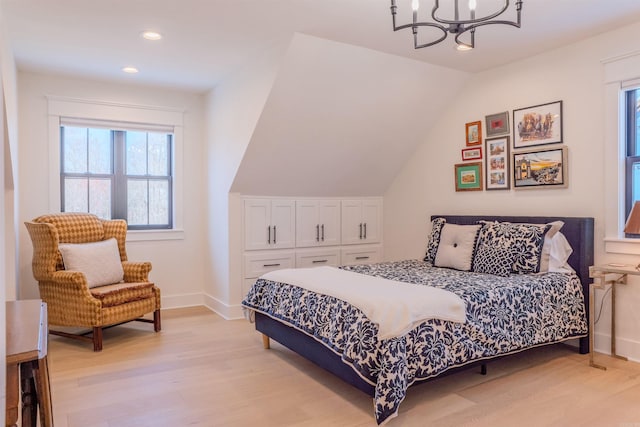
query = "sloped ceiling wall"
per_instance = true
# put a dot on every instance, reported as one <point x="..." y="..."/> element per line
<point x="342" y="121"/>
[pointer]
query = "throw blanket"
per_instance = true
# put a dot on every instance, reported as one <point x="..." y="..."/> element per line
<point x="396" y="307"/>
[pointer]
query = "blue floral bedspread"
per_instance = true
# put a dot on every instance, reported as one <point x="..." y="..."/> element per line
<point x="504" y="315"/>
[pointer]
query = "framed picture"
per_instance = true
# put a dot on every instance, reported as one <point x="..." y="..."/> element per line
<point x="497" y="124"/>
<point x="469" y="176"/>
<point x="538" y="125"/>
<point x="474" y="133"/>
<point x="471" y="153"/>
<point x="542" y="168"/>
<point x="497" y="163"/>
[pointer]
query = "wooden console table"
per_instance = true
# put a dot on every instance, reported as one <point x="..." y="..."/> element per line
<point x="607" y="275"/>
<point x="27" y="333"/>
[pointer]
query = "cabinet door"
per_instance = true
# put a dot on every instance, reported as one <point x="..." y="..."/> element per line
<point x="371" y="212"/>
<point x="351" y="222"/>
<point x="329" y="219"/>
<point x="283" y="223"/>
<point x="307" y="223"/>
<point x="257" y="222"/>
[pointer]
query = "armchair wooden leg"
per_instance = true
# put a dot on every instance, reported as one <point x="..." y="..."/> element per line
<point x="156" y="321"/>
<point x="97" y="338"/>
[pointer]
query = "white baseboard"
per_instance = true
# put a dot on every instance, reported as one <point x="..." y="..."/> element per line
<point x="185" y="300"/>
<point x="624" y="347"/>
<point x="226" y="311"/>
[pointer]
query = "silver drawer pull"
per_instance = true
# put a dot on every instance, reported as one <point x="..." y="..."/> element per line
<point x="271" y="265"/>
<point x="319" y="261"/>
<point x="362" y="257"/>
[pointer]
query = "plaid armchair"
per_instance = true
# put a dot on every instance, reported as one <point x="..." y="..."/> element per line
<point x="70" y="301"/>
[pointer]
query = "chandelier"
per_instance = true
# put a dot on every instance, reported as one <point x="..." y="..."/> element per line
<point x="456" y="26"/>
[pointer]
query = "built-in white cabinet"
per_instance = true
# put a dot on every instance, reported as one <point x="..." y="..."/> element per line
<point x="361" y="221"/>
<point x="269" y="224"/>
<point x="299" y="233"/>
<point x="258" y="263"/>
<point x="317" y="223"/>
<point x="317" y="257"/>
<point x="365" y="254"/>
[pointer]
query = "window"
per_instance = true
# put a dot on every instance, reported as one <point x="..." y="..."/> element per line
<point x="632" y="159"/>
<point x="116" y="118"/>
<point x="117" y="173"/>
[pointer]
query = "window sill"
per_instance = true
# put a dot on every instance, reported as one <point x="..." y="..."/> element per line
<point x="622" y="246"/>
<point x="154" y="235"/>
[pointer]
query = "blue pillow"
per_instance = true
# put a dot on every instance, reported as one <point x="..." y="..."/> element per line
<point x="434" y="239"/>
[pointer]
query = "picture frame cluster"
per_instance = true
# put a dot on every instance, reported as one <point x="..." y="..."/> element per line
<point x="532" y="156"/>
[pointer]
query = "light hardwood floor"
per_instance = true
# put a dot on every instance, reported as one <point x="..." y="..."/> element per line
<point x="204" y="371"/>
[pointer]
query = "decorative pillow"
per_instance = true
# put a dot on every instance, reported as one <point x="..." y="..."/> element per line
<point x="559" y="254"/>
<point x="493" y="260"/>
<point x="457" y="244"/>
<point x="523" y="240"/>
<point x="546" y="246"/>
<point x="99" y="261"/>
<point x="434" y="239"/>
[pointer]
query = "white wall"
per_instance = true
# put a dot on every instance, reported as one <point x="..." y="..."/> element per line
<point x="341" y="120"/>
<point x="10" y="164"/>
<point x="573" y="74"/>
<point x="233" y="109"/>
<point x="178" y="265"/>
<point x="8" y="183"/>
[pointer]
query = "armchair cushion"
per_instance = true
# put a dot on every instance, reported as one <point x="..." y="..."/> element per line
<point x="122" y="293"/>
<point x="98" y="261"/>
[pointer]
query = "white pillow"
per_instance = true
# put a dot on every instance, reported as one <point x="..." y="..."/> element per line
<point x="99" y="261"/>
<point x="546" y="246"/>
<point x="457" y="243"/>
<point x="559" y="254"/>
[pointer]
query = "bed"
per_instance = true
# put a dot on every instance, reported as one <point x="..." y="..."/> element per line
<point x="504" y="313"/>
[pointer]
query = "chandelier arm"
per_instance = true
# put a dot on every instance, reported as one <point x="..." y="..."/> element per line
<point x="481" y="24"/>
<point x="471" y="21"/>
<point x="419" y="46"/>
<point x="420" y="24"/>
<point x="472" y="28"/>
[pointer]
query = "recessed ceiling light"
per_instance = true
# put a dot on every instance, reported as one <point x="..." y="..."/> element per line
<point x="151" y="35"/>
<point x="130" y="70"/>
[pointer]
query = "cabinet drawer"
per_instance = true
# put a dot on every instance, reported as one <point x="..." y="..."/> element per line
<point x="317" y="258"/>
<point x="255" y="265"/>
<point x="361" y="255"/>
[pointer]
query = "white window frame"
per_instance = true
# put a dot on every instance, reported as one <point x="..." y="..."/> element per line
<point x="621" y="73"/>
<point x="61" y="107"/>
